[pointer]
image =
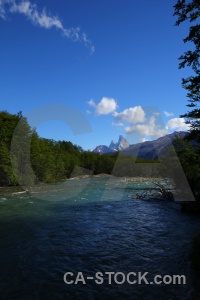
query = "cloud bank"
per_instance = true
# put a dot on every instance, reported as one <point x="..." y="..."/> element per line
<point x="139" y="120"/>
<point x="43" y="19"/>
<point x="150" y="128"/>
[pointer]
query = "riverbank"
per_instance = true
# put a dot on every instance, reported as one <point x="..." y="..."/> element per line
<point x="12" y="190"/>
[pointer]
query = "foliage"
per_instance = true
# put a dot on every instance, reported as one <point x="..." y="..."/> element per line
<point x="8" y="123"/>
<point x="190" y="11"/>
<point x="26" y="158"/>
<point x="189" y="156"/>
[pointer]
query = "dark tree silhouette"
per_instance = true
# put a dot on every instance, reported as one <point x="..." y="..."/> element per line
<point x="189" y="11"/>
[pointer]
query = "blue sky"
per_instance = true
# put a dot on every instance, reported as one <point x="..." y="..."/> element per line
<point x="115" y="62"/>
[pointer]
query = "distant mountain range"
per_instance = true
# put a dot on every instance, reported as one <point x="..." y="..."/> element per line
<point x="149" y="149"/>
<point x="121" y="145"/>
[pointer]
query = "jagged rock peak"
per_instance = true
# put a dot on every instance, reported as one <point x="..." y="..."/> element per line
<point x="112" y="144"/>
<point x="122" y="144"/>
<point x="121" y="138"/>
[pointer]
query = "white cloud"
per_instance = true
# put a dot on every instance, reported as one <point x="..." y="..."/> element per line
<point x="42" y="19"/>
<point x="88" y="112"/>
<point x="88" y="42"/>
<point x="105" y="106"/>
<point x="130" y="115"/>
<point x="91" y="103"/>
<point x="168" y="114"/>
<point x="2" y="9"/>
<point x="177" y="124"/>
<point x="148" y="129"/>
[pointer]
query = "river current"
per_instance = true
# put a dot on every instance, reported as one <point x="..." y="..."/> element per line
<point x="90" y="226"/>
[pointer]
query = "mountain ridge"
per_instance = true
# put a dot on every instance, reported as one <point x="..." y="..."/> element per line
<point x="156" y="148"/>
<point x="148" y="149"/>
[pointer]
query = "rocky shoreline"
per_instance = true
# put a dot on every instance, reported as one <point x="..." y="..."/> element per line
<point x="11" y="190"/>
<point x="14" y="190"/>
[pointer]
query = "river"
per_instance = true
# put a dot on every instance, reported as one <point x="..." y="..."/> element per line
<point x="91" y="226"/>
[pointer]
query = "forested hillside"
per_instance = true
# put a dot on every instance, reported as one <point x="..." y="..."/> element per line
<point x="50" y="160"/>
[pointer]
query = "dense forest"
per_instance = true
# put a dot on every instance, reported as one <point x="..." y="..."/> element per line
<point x="22" y="148"/>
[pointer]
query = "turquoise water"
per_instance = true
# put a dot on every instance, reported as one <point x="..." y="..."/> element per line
<point x="90" y="226"/>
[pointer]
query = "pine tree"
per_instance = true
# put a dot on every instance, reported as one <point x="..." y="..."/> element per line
<point x="190" y="11"/>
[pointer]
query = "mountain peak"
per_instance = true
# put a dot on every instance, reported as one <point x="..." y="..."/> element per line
<point x="122" y="144"/>
<point x="121" y="137"/>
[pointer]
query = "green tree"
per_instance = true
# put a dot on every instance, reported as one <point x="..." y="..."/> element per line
<point x="89" y="160"/>
<point x="8" y="123"/>
<point x="190" y="161"/>
<point x="190" y="11"/>
<point x="105" y="163"/>
<point x="20" y="153"/>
